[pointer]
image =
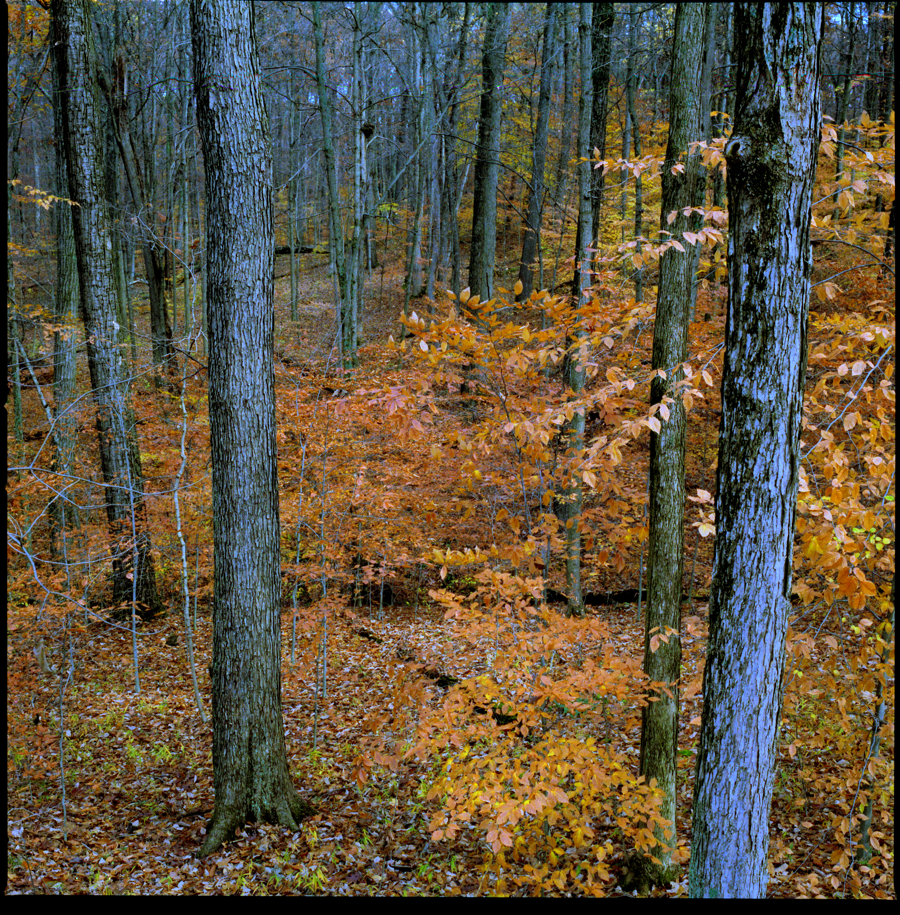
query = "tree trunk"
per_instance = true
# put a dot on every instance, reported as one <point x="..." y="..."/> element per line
<point x="153" y="249"/>
<point x="65" y="341"/>
<point x="250" y="767"/>
<point x="565" y="128"/>
<point x="346" y="303"/>
<point x="601" y="31"/>
<point x="532" y="240"/>
<point x="134" y="578"/>
<point x="771" y="159"/>
<point x="630" y="80"/>
<point x="662" y="644"/>
<point x="577" y="359"/>
<point x="487" y="160"/>
<point x="601" y="49"/>
<point x="454" y="185"/>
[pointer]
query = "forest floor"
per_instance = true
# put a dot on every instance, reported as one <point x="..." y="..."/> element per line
<point x="127" y="810"/>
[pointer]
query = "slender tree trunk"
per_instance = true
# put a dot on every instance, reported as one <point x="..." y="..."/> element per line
<point x="134" y="577"/>
<point x="487" y="160"/>
<point x="65" y="340"/>
<point x="849" y="16"/>
<point x="346" y="311"/>
<point x="532" y="240"/>
<point x="455" y="185"/>
<point x="630" y="80"/>
<point x="140" y="188"/>
<point x="771" y="159"/>
<point x="565" y="127"/>
<point x="725" y="99"/>
<point x="662" y="639"/>
<point x="601" y="49"/>
<point x="250" y="767"/>
<point x="601" y="30"/>
<point x="698" y="195"/>
<point x="577" y="360"/>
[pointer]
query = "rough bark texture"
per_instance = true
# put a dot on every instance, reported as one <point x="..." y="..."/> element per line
<point x="771" y="159"/>
<point x="251" y="775"/>
<point x="659" y="719"/>
<point x="487" y="161"/>
<point x="134" y="577"/>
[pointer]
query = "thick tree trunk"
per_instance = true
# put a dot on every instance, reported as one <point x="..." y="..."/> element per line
<point x="532" y="240"/>
<point x="662" y="643"/>
<point x="134" y="577"/>
<point x="771" y="160"/>
<point x="251" y="774"/>
<point x="487" y="160"/>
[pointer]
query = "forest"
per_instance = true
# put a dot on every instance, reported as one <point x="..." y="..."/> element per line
<point x="450" y="448"/>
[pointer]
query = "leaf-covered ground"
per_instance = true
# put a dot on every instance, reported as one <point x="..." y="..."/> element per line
<point x="110" y="788"/>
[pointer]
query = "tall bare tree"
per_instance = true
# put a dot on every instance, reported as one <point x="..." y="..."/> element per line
<point x="662" y="646"/>
<point x="532" y="238"/>
<point x="771" y="159"/>
<point x="487" y="160"/>
<point x="65" y="338"/>
<point x="576" y="361"/>
<point x="250" y="768"/>
<point x="347" y="302"/>
<point x="133" y="571"/>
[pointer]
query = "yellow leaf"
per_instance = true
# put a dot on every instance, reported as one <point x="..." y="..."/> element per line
<point x="664" y="411"/>
<point x="517" y="289"/>
<point x="850" y="421"/>
<point x="707" y="377"/>
<point x="654" y="424"/>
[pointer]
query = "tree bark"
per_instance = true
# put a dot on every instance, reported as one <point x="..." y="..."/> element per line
<point x="771" y="163"/>
<point x="153" y="249"/>
<point x="346" y="301"/>
<point x="576" y="363"/>
<point x="630" y="81"/>
<point x="601" y="36"/>
<point x="65" y="340"/>
<point x="532" y="240"/>
<point x="250" y="767"/>
<point x="662" y="639"/>
<point x="487" y="161"/>
<point x="134" y="577"/>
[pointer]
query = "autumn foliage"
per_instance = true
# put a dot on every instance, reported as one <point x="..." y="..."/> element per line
<point x="456" y="730"/>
